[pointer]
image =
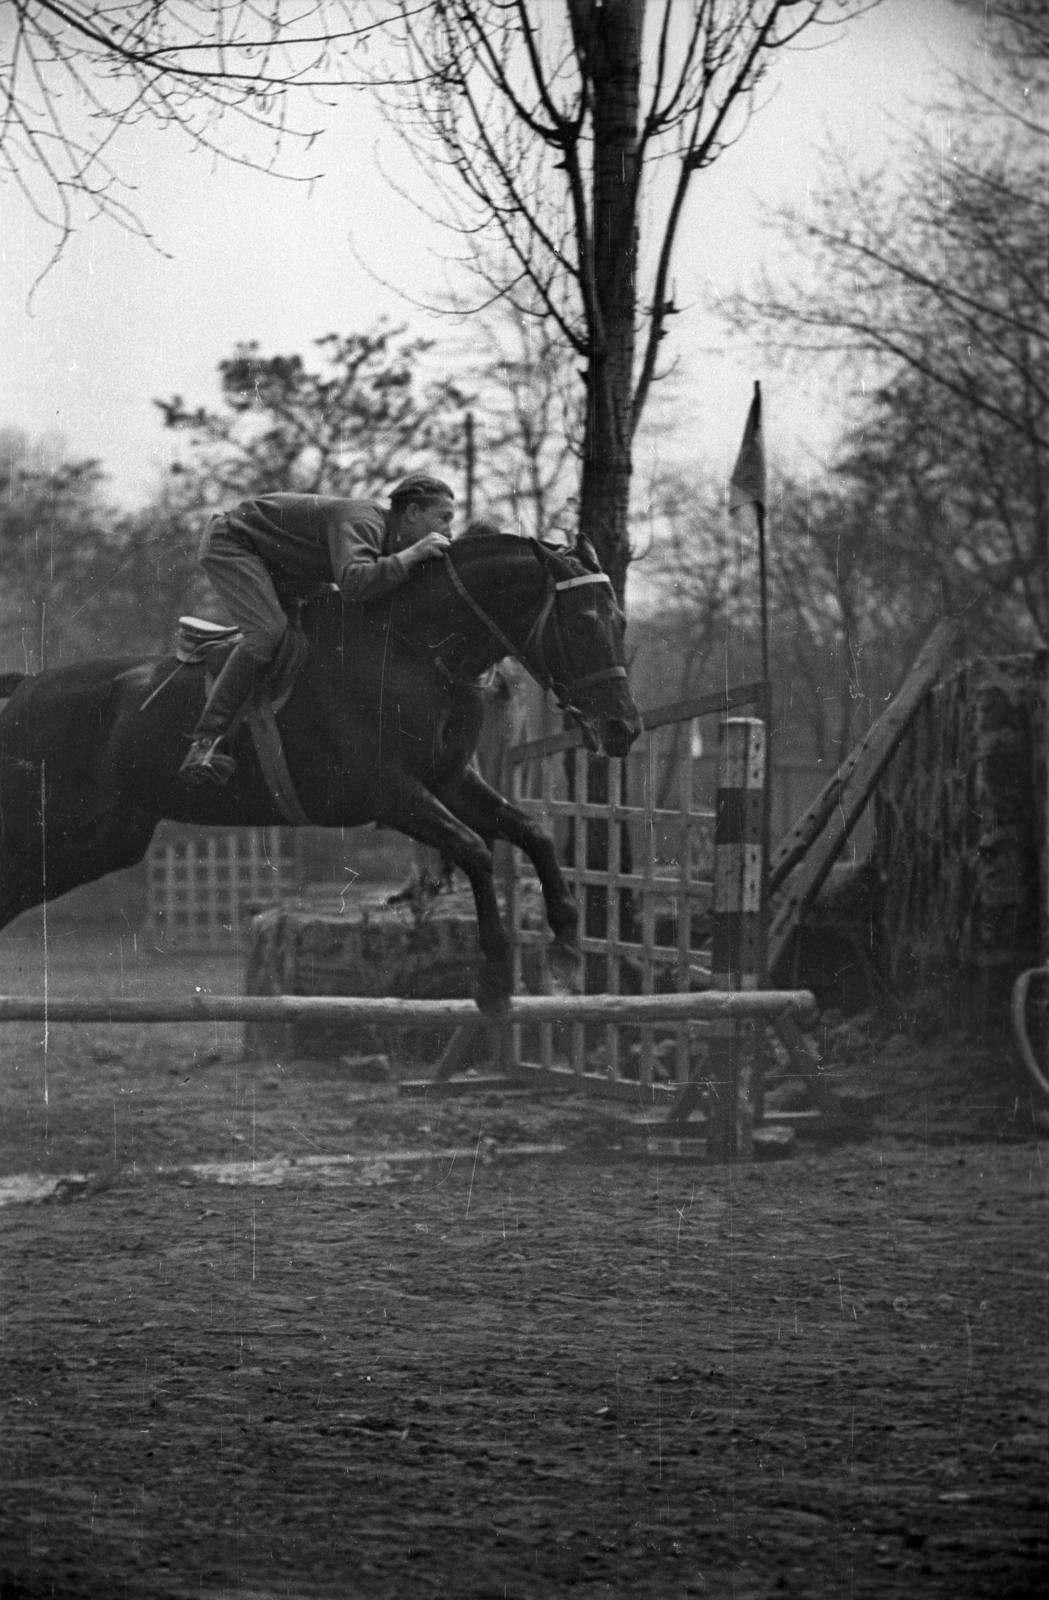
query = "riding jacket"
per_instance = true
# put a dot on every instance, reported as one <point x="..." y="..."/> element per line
<point x="308" y="539"/>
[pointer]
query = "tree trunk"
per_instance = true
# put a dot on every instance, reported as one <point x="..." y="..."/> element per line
<point x="610" y="35"/>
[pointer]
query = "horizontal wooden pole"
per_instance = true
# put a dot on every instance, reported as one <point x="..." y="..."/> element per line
<point x="525" y="1009"/>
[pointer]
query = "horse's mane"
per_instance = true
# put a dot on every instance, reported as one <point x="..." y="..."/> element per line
<point x="512" y="544"/>
<point x="508" y="548"/>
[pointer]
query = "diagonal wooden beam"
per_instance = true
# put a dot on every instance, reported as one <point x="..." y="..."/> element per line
<point x="804" y="858"/>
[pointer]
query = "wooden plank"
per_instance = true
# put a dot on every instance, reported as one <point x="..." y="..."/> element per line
<point x="859" y="772"/>
<point x="807" y="1067"/>
<point x="706" y="705"/>
<point x="481" y="1083"/>
<point x="815" y="843"/>
<point x="526" y="1009"/>
<point x="531" y="1077"/>
<point x="458" y="1050"/>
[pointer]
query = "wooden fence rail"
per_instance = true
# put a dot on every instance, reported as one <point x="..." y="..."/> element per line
<point x="655" y="1009"/>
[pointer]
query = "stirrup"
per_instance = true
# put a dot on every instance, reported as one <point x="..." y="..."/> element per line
<point x="205" y="763"/>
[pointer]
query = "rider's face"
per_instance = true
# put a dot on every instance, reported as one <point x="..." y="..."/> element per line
<point x="435" y="516"/>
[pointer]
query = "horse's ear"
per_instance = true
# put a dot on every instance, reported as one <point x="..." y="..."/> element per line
<point x="585" y="552"/>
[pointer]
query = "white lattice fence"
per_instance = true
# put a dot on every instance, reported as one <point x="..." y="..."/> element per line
<point x="202" y="882"/>
<point x="639" y="853"/>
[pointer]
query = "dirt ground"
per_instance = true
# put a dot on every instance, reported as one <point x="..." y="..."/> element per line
<point x="265" y="1333"/>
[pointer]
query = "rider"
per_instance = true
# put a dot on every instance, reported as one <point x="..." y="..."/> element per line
<point x="269" y="549"/>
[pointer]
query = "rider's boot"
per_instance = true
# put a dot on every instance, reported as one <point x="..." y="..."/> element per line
<point x="209" y="759"/>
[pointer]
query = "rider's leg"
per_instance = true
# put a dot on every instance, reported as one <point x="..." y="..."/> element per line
<point x="246" y="587"/>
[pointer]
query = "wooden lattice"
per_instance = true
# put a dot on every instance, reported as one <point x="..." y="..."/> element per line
<point x="639" y="854"/>
<point x="202" y="881"/>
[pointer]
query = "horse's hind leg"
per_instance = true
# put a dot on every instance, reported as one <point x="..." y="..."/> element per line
<point x="36" y="868"/>
<point x="481" y="807"/>
<point x="403" y="803"/>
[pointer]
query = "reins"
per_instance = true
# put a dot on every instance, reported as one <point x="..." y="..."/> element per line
<point x="540" y="671"/>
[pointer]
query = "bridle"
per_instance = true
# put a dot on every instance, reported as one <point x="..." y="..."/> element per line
<point x="538" y="667"/>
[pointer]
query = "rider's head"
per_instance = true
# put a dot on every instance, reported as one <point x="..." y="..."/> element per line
<point x="419" y="505"/>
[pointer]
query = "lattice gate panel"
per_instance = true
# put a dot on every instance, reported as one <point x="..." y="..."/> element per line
<point x="636" y="840"/>
<point x="202" y="881"/>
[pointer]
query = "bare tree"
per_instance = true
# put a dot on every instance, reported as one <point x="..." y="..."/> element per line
<point x="529" y="420"/>
<point x="932" y="280"/>
<point x="546" y="125"/>
<point x="697" y="589"/>
<point x="75" y="75"/>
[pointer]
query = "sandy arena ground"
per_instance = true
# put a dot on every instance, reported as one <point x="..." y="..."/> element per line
<point x="265" y="1333"/>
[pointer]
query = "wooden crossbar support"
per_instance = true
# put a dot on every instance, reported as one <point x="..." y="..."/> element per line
<point x="527" y="1009"/>
<point x="807" y="1067"/>
<point x="817" y="839"/>
<point x="737" y="955"/>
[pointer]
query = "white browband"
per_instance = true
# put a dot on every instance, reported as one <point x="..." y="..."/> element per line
<point x="590" y="577"/>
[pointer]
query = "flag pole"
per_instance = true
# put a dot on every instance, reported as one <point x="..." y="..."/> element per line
<point x="764" y="589"/>
<point x="747" y="487"/>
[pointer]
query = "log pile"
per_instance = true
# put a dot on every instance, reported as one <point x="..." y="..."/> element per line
<point x="957" y="838"/>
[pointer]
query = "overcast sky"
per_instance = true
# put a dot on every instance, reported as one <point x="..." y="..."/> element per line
<point x="117" y="323"/>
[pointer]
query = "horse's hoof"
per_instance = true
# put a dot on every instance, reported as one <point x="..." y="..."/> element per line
<point x="563" y="962"/>
<point x="493" y="995"/>
<point x="496" y="1006"/>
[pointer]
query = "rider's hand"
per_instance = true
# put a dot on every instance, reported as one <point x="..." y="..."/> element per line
<point x="427" y="548"/>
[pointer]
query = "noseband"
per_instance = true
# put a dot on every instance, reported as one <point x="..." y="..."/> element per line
<point x="538" y="667"/>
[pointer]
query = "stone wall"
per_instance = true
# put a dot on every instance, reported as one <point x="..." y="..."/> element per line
<point x="958" y="853"/>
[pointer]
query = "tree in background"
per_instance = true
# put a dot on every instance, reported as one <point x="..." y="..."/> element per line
<point x="938" y="280"/>
<point x="159" y="578"/>
<point x="349" y="426"/>
<point x="554" y="132"/>
<point x="59" y="549"/>
<point x="530" y="421"/>
<point x="844" y="617"/>
<point x="76" y="76"/>
<point x="688" y="637"/>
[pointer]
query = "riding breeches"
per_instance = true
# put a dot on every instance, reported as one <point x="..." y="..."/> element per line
<point x="244" y="585"/>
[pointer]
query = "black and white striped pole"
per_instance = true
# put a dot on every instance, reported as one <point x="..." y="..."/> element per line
<point x="736" y="957"/>
<point x="728" y="1082"/>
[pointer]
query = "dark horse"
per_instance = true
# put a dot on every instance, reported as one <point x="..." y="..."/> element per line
<point x="380" y="726"/>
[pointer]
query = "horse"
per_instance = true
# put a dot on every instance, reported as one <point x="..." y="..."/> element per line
<point x="380" y="726"/>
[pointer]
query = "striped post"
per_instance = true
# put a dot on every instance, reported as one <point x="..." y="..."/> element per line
<point x="739" y="931"/>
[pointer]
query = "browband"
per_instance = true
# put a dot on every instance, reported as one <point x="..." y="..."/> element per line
<point x="589" y="577"/>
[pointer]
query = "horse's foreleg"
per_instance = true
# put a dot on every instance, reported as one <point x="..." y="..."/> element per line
<point x="403" y="803"/>
<point x="484" y="808"/>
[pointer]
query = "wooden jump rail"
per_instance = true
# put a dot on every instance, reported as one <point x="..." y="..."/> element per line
<point x="658" y="1009"/>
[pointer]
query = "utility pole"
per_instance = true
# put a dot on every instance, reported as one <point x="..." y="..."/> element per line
<point x="470" y="463"/>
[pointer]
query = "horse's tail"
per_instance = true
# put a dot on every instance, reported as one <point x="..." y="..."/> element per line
<point x="9" y="682"/>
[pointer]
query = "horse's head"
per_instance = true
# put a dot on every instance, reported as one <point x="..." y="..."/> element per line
<point x="576" y="645"/>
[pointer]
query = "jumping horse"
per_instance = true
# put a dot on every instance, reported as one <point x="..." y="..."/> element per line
<point x="380" y="726"/>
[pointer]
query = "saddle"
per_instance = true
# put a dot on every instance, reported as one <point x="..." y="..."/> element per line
<point x="209" y="644"/>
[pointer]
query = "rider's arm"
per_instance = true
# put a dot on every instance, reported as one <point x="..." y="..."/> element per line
<point x="355" y="540"/>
